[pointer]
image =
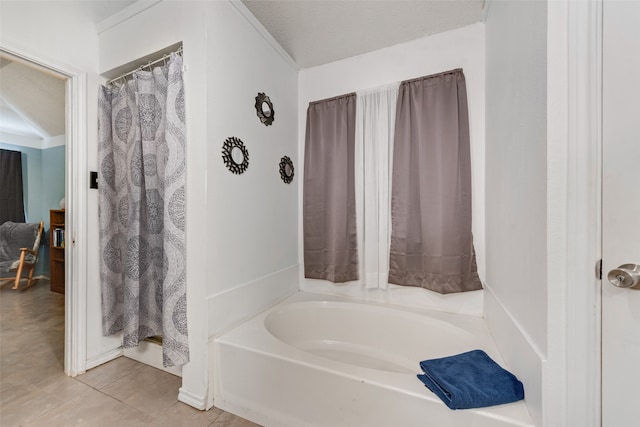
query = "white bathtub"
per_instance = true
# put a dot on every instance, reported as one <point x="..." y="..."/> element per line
<point x="316" y="360"/>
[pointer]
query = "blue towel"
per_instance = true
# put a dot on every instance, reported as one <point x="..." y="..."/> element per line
<point x="470" y="380"/>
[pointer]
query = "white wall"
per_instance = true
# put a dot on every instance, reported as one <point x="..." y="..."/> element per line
<point x="461" y="48"/>
<point x="516" y="189"/>
<point x="252" y="258"/>
<point x="53" y="171"/>
<point x="123" y="44"/>
<point x="247" y="220"/>
<point x="241" y="233"/>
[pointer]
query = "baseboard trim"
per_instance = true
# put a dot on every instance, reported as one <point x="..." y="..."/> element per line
<point x="102" y="359"/>
<point x="211" y="371"/>
<point x="198" y="402"/>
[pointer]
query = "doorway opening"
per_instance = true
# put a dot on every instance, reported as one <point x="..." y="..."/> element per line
<point x="73" y="269"/>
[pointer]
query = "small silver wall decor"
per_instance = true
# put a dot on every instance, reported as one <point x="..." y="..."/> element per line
<point x="264" y="109"/>
<point x="235" y="155"/>
<point x="286" y="169"/>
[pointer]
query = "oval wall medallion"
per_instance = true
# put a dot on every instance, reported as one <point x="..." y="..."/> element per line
<point x="286" y="169"/>
<point x="264" y="109"/>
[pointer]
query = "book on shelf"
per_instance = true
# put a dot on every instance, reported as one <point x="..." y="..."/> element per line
<point x="58" y="237"/>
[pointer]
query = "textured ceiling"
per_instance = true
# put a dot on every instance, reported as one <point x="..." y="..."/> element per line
<point x="32" y="101"/>
<point x="313" y="32"/>
<point x="316" y="32"/>
<point x="99" y="10"/>
<point x="11" y="122"/>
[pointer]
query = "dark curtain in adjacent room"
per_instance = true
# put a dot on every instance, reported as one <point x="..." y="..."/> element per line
<point x="11" y="195"/>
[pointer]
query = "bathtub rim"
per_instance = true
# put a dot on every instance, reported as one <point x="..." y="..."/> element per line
<point x="257" y="322"/>
<point x="262" y="342"/>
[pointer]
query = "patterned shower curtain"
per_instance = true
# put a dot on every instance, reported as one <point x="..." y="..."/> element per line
<point x="141" y="185"/>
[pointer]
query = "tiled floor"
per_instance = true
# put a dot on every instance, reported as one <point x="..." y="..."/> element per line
<point x="35" y="392"/>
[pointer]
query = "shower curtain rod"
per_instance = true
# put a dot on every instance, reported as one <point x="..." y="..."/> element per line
<point x="147" y="65"/>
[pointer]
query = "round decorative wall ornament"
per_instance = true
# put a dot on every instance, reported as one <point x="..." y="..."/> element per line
<point x="235" y="155"/>
<point x="286" y="169"/>
<point x="264" y="109"/>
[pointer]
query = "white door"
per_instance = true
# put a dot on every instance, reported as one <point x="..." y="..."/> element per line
<point x="621" y="212"/>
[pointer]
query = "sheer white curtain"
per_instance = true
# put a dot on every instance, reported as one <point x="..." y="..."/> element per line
<point x="375" y="122"/>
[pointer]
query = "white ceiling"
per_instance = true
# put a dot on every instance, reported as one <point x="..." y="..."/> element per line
<point x="11" y="122"/>
<point x="99" y="10"/>
<point x="316" y="32"/>
<point x="313" y="32"/>
<point x="31" y="102"/>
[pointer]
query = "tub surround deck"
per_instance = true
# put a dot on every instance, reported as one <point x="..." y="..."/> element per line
<point x="470" y="303"/>
<point x="319" y="360"/>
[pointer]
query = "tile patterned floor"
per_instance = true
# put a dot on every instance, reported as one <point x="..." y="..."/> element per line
<point x="35" y="392"/>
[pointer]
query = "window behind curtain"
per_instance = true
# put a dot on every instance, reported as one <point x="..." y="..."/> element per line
<point x="11" y="195"/>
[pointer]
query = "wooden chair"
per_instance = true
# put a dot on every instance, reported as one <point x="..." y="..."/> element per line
<point x="27" y="258"/>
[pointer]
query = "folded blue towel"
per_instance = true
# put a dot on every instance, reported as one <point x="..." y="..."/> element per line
<point x="470" y="380"/>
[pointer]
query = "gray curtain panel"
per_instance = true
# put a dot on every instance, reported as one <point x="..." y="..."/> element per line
<point x="11" y="192"/>
<point x="141" y="156"/>
<point x="431" y="241"/>
<point x="329" y="214"/>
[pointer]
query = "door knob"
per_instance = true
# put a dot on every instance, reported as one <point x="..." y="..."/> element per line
<point x="625" y="276"/>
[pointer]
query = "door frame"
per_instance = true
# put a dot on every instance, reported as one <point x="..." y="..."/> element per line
<point x="75" y="199"/>
<point x="572" y="371"/>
